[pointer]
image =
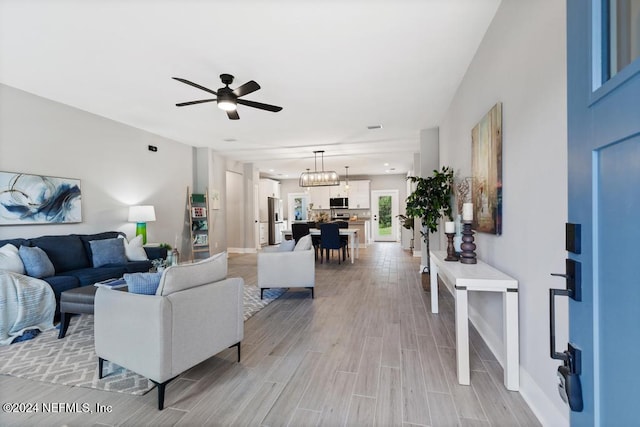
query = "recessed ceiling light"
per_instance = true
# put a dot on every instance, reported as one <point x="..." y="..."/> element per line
<point x="386" y="164"/>
<point x="271" y="170"/>
<point x="371" y="127"/>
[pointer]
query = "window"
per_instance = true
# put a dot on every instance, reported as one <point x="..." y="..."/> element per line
<point x="623" y="30"/>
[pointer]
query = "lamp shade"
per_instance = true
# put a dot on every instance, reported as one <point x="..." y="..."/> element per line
<point x="142" y="213"/>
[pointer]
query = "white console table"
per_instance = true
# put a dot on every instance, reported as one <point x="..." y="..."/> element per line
<point x="462" y="278"/>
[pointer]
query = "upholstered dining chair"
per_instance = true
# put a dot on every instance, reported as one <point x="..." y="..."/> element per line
<point x="299" y="229"/>
<point x="330" y="240"/>
<point x="345" y="239"/>
<point x="314" y="239"/>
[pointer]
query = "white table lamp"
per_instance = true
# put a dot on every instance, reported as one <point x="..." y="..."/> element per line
<point x="141" y="215"/>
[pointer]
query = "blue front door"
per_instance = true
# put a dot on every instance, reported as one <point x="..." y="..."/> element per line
<point x="604" y="197"/>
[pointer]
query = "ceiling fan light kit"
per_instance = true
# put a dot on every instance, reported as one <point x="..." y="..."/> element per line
<point x="227" y="98"/>
<point x="226" y="102"/>
<point x="319" y="179"/>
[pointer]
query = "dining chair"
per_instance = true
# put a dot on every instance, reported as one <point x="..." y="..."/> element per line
<point x="345" y="239"/>
<point x="315" y="240"/>
<point x="299" y="229"/>
<point x="330" y="240"/>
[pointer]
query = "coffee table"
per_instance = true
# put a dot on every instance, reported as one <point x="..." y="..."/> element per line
<point x="76" y="301"/>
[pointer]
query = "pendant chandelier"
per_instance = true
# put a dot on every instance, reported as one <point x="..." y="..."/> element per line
<point x="346" y="185"/>
<point x="319" y="178"/>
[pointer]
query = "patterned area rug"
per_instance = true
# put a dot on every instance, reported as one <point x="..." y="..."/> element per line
<point x="72" y="360"/>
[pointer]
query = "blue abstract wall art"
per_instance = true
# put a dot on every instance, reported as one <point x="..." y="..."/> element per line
<point x="36" y="199"/>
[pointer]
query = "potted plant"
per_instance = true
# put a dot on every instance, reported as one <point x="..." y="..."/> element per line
<point x="430" y="201"/>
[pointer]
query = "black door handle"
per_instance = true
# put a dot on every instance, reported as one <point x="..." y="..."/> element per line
<point x="569" y="386"/>
<point x="572" y="290"/>
<point x="552" y="322"/>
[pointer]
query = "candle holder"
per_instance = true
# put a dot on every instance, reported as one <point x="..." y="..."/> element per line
<point x="451" y="251"/>
<point x="468" y="254"/>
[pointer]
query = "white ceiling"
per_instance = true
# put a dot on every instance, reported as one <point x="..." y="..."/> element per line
<point x="335" y="67"/>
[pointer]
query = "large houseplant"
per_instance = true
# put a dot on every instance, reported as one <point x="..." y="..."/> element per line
<point x="430" y="201"/>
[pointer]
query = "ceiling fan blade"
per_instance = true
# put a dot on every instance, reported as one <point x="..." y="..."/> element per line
<point x="259" y="105"/>
<point x="233" y="115"/>
<point x="246" y="88"/>
<point x="182" y="104"/>
<point x="194" y="85"/>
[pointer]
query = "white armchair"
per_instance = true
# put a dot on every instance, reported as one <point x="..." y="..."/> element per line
<point x="195" y="313"/>
<point x="293" y="269"/>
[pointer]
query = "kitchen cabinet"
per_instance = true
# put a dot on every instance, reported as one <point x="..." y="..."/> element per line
<point x="338" y="190"/>
<point x="267" y="188"/>
<point x="359" y="194"/>
<point x="320" y="196"/>
<point x="363" y="231"/>
<point x="264" y="233"/>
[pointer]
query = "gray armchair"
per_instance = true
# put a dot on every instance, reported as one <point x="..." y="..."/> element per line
<point x="196" y="313"/>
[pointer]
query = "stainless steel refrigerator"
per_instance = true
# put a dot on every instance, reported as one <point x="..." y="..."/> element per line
<point x="274" y="208"/>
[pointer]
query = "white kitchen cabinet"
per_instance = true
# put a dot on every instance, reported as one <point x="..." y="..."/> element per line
<point x="267" y="188"/>
<point x="319" y="196"/>
<point x="264" y="233"/>
<point x="338" y="190"/>
<point x="359" y="194"/>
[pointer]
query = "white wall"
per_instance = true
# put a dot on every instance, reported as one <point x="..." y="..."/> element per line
<point x="235" y="211"/>
<point x="116" y="170"/>
<point x="521" y="62"/>
<point x="429" y="157"/>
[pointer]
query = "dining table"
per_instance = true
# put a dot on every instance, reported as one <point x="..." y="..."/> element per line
<point x="352" y="233"/>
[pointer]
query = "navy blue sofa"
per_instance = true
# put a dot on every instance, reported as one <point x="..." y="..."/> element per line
<point x="72" y="259"/>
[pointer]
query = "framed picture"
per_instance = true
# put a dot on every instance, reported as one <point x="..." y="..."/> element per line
<point x="36" y="199"/>
<point x="201" y="240"/>
<point x="199" y="212"/>
<point x="486" y="168"/>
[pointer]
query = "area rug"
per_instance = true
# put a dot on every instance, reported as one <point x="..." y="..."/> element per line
<point x="72" y="361"/>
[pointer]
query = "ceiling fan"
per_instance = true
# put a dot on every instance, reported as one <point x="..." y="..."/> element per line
<point x="227" y="98"/>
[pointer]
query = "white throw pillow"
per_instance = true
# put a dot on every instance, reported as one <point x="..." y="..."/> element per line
<point x="180" y="277"/>
<point x="134" y="249"/>
<point x="286" y="246"/>
<point x="304" y="243"/>
<point x="10" y="259"/>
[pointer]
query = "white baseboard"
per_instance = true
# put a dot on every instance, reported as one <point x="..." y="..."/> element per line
<point x="242" y="250"/>
<point x="417" y="254"/>
<point x="543" y="408"/>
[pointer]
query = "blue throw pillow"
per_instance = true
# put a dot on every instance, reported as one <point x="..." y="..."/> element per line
<point x="287" y="246"/>
<point x="108" y="251"/>
<point x="143" y="283"/>
<point x="36" y="262"/>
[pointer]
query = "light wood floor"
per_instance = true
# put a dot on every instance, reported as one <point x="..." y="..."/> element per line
<point x="365" y="351"/>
